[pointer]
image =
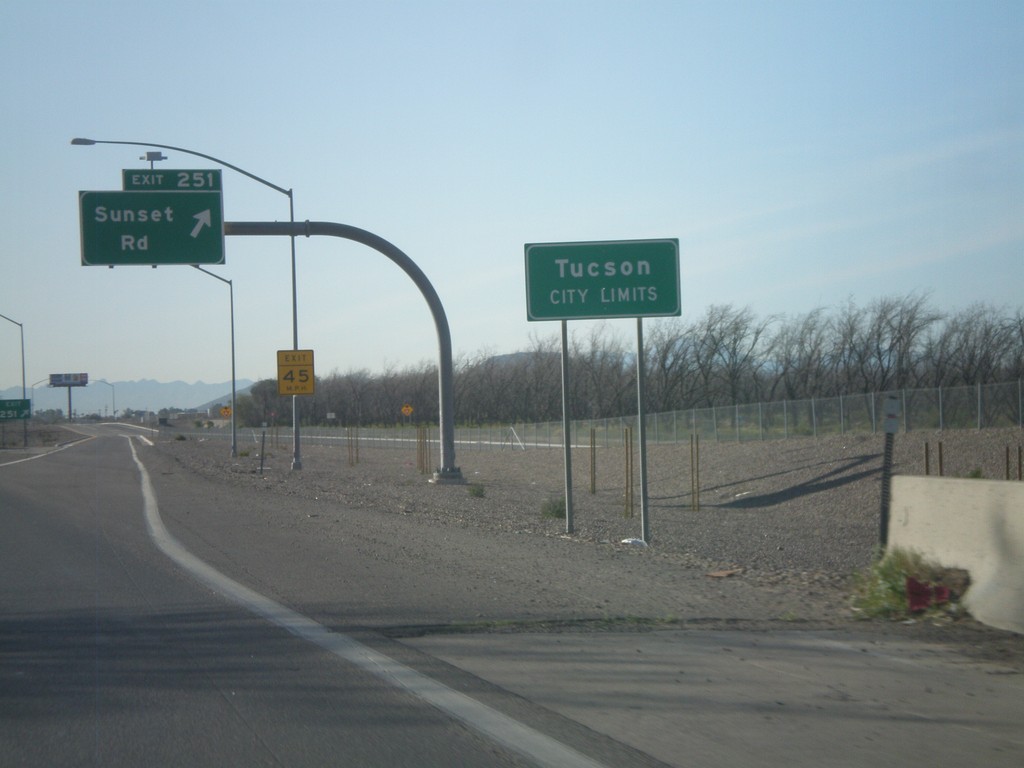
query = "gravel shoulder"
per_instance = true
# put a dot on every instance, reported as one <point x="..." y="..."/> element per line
<point x="780" y="529"/>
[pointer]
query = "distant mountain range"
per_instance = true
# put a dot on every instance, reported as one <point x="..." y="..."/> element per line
<point x="144" y="395"/>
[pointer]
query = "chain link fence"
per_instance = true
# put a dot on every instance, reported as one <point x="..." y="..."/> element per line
<point x="973" y="407"/>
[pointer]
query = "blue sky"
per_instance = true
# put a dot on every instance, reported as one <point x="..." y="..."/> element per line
<point x="803" y="153"/>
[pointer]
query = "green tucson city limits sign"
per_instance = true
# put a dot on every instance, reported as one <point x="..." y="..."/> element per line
<point x="604" y="279"/>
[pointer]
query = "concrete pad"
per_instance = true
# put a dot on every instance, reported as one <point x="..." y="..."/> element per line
<point x="696" y="698"/>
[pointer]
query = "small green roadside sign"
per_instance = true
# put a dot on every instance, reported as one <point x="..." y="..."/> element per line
<point x="168" y="179"/>
<point x="15" y="409"/>
<point x="603" y="279"/>
<point x="151" y="228"/>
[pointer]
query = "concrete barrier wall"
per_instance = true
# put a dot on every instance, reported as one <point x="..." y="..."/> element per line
<point x="977" y="525"/>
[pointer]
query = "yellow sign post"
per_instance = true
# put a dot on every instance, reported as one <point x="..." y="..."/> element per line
<point x="295" y="372"/>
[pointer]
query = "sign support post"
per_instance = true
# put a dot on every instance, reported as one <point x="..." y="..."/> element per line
<point x="891" y="424"/>
<point x="641" y="411"/>
<point x="566" y="429"/>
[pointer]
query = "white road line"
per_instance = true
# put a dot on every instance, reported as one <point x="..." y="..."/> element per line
<point x="48" y="453"/>
<point x="498" y="727"/>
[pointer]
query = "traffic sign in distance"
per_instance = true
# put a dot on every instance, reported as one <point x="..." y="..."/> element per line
<point x="15" y="409"/>
<point x="295" y="372"/>
<point x="606" y="279"/>
<point x="151" y="228"/>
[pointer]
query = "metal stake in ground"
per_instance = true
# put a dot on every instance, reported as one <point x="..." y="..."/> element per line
<point x="892" y="423"/>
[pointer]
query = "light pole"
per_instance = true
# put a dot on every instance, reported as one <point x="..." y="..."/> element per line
<point x="22" y="329"/>
<point x="113" y="396"/>
<point x="231" y="293"/>
<point x="297" y="452"/>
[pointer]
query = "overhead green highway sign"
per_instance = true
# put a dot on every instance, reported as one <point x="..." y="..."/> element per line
<point x="151" y="228"/>
<point x="180" y="180"/>
<point x="602" y="279"/>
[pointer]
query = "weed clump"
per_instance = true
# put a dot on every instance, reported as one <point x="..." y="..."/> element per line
<point x="901" y="583"/>
<point x="553" y="507"/>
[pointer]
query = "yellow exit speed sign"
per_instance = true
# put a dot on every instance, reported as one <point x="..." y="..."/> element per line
<point x="295" y="372"/>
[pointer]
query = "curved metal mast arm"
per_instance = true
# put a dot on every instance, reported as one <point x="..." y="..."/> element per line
<point x="448" y="470"/>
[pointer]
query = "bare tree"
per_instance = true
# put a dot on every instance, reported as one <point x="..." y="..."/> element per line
<point x="602" y="374"/>
<point x="799" y="359"/>
<point x="730" y="351"/>
<point x="974" y="346"/>
<point x="728" y="356"/>
<point x="671" y="366"/>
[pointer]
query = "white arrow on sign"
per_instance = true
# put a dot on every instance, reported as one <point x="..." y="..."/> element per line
<point x="202" y="220"/>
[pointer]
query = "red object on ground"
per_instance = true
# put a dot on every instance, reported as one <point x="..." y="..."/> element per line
<point x="921" y="595"/>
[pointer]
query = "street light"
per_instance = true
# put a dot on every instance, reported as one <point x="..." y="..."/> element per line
<point x="80" y="142"/>
<point x="231" y="293"/>
<point x="22" y="329"/>
<point x="113" y="396"/>
<point x="32" y="392"/>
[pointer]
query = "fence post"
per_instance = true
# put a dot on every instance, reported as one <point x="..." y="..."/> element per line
<point x="979" y="405"/>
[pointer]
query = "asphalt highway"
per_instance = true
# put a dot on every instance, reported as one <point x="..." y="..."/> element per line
<point x="134" y="633"/>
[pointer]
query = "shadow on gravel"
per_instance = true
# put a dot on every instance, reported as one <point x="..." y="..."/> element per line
<point x="837" y="478"/>
<point x="841" y="474"/>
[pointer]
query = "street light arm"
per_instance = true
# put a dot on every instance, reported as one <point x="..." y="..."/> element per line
<point x="231" y="293"/>
<point x="211" y="274"/>
<point x="21" y="327"/>
<point x="79" y="142"/>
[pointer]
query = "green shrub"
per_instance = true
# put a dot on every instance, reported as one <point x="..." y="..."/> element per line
<point x="476" y="490"/>
<point x="180" y="437"/>
<point x="554" y="507"/>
